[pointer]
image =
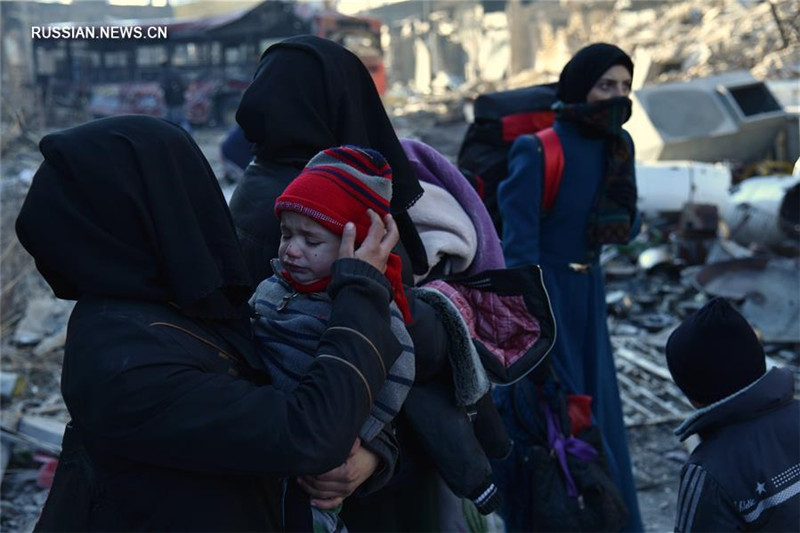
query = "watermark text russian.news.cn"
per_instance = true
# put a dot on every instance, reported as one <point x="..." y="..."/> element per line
<point x="98" y="32"/>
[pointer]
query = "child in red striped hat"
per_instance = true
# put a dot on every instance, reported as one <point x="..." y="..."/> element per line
<point x="338" y="185"/>
<point x="291" y="308"/>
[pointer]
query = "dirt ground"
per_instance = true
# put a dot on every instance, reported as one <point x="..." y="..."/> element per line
<point x="657" y="459"/>
<point x="657" y="456"/>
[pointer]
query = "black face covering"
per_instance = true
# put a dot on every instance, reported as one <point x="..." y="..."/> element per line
<point x="310" y="94"/>
<point x="128" y="207"/>
<point x="598" y="119"/>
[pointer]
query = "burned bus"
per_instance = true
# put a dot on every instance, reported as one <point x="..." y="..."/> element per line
<point x="216" y="55"/>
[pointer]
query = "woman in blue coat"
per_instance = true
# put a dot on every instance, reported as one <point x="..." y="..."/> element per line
<point x="595" y="205"/>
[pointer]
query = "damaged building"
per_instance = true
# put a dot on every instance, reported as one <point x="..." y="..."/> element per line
<point x="519" y="42"/>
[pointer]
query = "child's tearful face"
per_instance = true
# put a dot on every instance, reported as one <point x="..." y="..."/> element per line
<point x="307" y="249"/>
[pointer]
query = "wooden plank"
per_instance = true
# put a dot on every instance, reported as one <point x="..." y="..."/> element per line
<point x="48" y="432"/>
<point x="655" y="421"/>
<point x="637" y="406"/>
<point x="642" y="391"/>
<point x="644" y="364"/>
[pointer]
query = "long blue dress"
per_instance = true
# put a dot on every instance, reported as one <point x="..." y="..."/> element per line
<point x="582" y="354"/>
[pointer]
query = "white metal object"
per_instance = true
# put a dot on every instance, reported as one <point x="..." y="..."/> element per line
<point x="752" y="209"/>
<point x="667" y="186"/>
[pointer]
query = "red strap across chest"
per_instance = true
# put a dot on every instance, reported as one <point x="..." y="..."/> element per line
<point x="553" y="165"/>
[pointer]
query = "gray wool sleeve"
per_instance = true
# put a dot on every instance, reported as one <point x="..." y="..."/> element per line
<point x="399" y="380"/>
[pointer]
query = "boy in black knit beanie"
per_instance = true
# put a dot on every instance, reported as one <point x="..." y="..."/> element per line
<point x="745" y="473"/>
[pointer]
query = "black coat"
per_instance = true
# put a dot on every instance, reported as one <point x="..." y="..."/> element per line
<point x="253" y="210"/>
<point x="173" y="429"/>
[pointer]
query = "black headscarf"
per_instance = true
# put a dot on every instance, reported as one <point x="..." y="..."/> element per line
<point x="309" y="94"/>
<point x="585" y="68"/>
<point x="614" y="209"/>
<point x="128" y="207"/>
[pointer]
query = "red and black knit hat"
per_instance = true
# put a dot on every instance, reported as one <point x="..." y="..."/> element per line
<point x="337" y="186"/>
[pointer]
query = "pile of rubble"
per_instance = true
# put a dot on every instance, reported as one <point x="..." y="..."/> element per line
<point x="675" y="40"/>
<point x="699" y="38"/>
<point x="688" y="39"/>
<point x="646" y="303"/>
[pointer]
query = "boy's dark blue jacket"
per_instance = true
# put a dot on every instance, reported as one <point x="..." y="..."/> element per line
<point x="745" y="474"/>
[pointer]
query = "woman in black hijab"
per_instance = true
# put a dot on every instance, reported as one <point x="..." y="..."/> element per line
<point x="174" y="424"/>
<point x="309" y="94"/>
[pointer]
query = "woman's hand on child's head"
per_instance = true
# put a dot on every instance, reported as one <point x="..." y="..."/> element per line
<point x="378" y="244"/>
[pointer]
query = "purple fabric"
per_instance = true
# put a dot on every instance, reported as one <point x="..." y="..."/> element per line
<point x="433" y="167"/>
<point x="562" y="445"/>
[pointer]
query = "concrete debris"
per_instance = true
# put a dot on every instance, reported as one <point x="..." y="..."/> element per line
<point x="696" y="234"/>
<point x="11" y="385"/>
<point x="769" y="290"/>
<point x="29" y="432"/>
<point x="648" y="394"/>
<point x="528" y="42"/>
<point x="43" y="318"/>
<point x="753" y="211"/>
<point x="724" y="250"/>
<point x="51" y="343"/>
<point x="645" y="308"/>
<point x="693" y="39"/>
<point x="44" y="432"/>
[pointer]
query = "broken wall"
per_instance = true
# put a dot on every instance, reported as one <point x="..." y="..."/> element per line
<point x="529" y="41"/>
<point x="681" y="40"/>
<point x="440" y="45"/>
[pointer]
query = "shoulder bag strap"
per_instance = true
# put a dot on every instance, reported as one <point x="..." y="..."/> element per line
<point x="553" y="156"/>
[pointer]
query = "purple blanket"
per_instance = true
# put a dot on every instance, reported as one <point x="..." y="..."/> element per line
<point x="433" y="167"/>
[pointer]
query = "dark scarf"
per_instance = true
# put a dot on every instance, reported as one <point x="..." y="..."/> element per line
<point x="128" y="207"/>
<point x="615" y="204"/>
<point x="309" y="94"/>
